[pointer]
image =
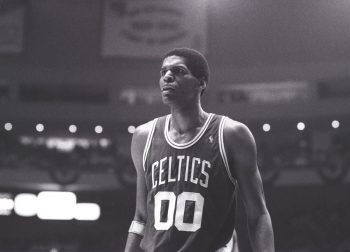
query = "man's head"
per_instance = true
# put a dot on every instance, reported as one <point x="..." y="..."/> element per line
<point x="194" y="60"/>
<point x="183" y="77"/>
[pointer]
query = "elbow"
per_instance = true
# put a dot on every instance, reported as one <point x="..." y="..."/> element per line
<point x="259" y="218"/>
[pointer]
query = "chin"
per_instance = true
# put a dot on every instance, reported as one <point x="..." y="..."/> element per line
<point x="169" y="101"/>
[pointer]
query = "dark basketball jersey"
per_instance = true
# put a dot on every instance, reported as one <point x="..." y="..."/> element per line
<point x="191" y="192"/>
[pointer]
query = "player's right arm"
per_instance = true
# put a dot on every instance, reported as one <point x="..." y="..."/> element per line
<point x="138" y="143"/>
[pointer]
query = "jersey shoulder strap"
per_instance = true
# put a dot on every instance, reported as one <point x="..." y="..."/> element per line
<point x="222" y="149"/>
<point x="148" y="142"/>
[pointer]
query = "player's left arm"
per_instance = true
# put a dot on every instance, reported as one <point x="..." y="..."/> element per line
<point x="242" y="157"/>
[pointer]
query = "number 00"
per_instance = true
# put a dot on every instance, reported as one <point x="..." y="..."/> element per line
<point x="178" y="210"/>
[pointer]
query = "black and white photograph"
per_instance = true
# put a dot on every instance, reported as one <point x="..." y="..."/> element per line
<point x="174" y="126"/>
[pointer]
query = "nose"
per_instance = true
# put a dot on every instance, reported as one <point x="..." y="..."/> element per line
<point x="168" y="76"/>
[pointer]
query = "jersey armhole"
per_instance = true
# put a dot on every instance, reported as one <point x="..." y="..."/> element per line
<point x="148" y="143"/>
<point x="222" y="149"/>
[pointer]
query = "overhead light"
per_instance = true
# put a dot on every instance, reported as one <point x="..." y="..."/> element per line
<point x="266" y="127"/>
<point x="72" y="128"/>
<point x="40" y="127"/>
<point x="98" y="129"/>
<point x="8" y="126"/>
<point x="56" y="205"/>
<point x="335" y="124"/>
<point x="131" y="129"/>
<point x="301" y="126"/>
<point x="26" y="204"/>
<point x="6" y="204"/>
<point x="87" y="211"/>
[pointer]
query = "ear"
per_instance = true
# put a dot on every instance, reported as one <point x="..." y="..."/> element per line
<point x="203" y="84"/>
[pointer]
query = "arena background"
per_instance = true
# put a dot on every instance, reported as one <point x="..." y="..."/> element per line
<point x="77" y="76"/>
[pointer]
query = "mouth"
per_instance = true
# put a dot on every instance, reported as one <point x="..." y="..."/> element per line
<point x="168" y="89"/>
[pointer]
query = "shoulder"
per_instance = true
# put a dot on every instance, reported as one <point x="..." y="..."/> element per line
<point x="236" y="130"/>
<point x="143" y="129"/>
<point x="141" y="132"/>
<point x="240" y="149"/>
<point x="236" y="134"/>
<point x="139" y="141"/>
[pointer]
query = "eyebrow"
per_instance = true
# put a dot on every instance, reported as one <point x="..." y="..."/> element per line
<point x="176" y="65"/>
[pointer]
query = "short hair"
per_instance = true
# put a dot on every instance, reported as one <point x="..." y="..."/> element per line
<point x="194" y="60"/>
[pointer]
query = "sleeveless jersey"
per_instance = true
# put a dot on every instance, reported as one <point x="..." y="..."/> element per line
<point x="191" y="199"/>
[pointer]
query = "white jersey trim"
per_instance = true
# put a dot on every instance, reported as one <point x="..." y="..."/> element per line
<point x="173" y="144"/>
<point x="222" y="149"/>
<point x="148" y="143"/>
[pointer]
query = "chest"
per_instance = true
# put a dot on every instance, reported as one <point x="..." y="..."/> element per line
<point x="167" y="166"/>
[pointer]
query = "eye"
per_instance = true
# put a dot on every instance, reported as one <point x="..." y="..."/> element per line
<point x="178" y="70"/>
<point x="162" y="72"/>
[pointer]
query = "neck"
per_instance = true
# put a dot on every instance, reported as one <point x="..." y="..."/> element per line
<point x="186" y="119"/>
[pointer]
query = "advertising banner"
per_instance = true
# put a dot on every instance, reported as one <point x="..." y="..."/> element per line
<point x="11" y="26"/>
<point x="147" y="29"/>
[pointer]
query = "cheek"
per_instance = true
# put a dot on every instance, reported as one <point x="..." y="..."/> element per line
<point x="160" y="83"/>
<point x="190" y="92"/>
<point x="191" y="87"/>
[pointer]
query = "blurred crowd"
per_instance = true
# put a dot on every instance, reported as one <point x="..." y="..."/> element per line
<point x="307" y="218"/>
<point x="97" y="155"/>
<point x="329" y="158"/>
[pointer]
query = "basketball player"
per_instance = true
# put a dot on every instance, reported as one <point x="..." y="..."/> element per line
<point x="189" y="165"/>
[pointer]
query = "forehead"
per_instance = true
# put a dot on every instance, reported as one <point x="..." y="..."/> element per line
<point x="174" y="61"/>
